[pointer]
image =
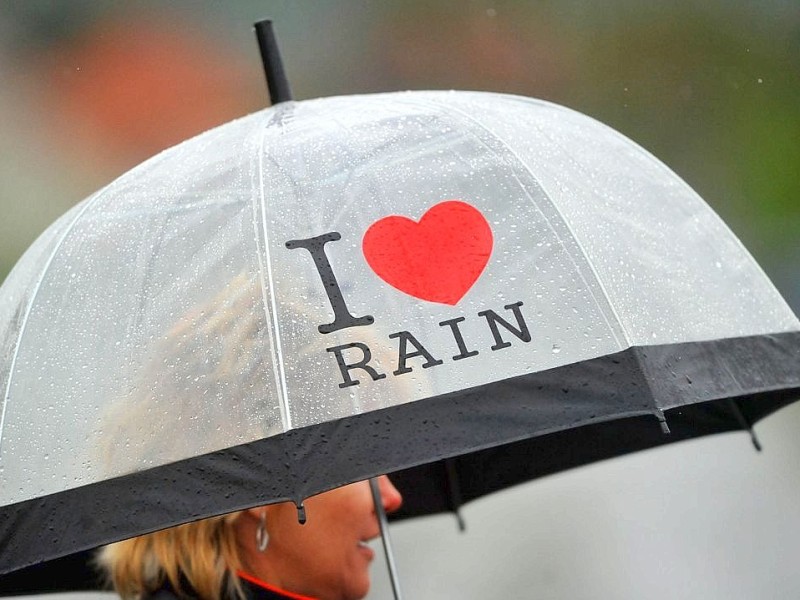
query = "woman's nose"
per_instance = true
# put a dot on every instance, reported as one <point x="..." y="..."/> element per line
<point x="392" y="499"/>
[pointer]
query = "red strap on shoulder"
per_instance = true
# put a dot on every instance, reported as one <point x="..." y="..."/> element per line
<point x="256" y="581"/>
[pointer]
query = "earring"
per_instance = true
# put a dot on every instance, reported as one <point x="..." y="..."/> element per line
<point x="261" y="533"/>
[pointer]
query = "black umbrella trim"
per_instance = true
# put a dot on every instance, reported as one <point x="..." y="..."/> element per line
<point x="500" y="434"/>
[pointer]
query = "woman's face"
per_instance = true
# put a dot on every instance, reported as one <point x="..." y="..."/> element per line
<point x="328" y="556"/>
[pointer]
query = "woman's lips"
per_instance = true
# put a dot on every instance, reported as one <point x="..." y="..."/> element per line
<point x="364" y="548"/>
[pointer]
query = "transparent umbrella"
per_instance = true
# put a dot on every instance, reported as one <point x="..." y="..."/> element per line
<point x="476" y="289"/>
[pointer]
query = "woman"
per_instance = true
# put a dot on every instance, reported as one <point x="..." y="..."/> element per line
<point x="260" y="553"/>
<point x="214" y="361"/>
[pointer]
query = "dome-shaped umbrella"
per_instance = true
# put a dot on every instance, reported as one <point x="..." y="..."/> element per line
<point x="474" y="288"/>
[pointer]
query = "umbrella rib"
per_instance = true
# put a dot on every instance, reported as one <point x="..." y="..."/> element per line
<point x="29" y="308"/>
<point x="344" y="206"/>
<point x="273" y="325"/>
<point x="644" y="368"/>
<point x="616" y="328"/>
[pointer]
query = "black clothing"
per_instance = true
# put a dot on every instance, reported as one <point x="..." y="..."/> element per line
<point x="253" y="591"/>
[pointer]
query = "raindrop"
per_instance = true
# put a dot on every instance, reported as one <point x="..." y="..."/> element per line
<point x="556" y="349"/>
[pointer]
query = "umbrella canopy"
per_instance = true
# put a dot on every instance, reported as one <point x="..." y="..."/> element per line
<point x="332" y="289"/>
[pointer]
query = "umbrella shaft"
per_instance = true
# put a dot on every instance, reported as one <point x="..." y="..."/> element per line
<point x="387" y="546"/>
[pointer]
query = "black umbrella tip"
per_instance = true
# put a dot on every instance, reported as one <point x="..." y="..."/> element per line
<point x="277" y="82"/>
<point x="301" y="514"/>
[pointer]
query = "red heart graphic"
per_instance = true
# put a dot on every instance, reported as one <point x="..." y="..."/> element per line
<point x="437" y="259"/>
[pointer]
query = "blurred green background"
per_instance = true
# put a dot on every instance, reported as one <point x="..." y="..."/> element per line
<point x="90" y="88"/>
<point x="712" y="88"/>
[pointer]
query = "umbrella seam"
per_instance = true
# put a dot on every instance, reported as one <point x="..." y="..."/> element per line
<point x="273" y="325"/>
<point x="29" y="308"/>
<point x="605" y="295"/>
<point x="644" y="369"/>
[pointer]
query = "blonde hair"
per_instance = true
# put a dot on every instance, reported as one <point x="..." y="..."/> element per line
<point x="214" y="343"/>
<point x="201" y="557"/>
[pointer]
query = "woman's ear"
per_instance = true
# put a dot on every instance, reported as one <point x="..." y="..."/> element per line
<point x="257" y="512"/>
